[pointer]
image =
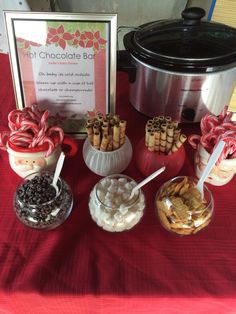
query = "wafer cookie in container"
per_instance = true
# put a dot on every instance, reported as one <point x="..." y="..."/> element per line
<point x="162" y="144"/>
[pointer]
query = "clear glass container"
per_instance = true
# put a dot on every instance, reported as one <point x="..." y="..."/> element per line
<point x="38" y="205"/>
<point x="110" y="204"/>
<point x="181" y="208"/>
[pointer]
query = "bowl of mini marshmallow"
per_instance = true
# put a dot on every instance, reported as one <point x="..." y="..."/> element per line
<point x="112" y="204"/>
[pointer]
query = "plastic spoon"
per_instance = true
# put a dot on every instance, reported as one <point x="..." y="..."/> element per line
<point x="211" y="163"/>
<point x="57" y="172"/>
<point x="145" y="181"/>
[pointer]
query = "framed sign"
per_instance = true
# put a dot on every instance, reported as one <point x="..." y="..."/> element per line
<point x="65" y="63"/>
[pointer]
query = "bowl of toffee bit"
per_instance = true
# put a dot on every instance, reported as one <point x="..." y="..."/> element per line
<point x="181" y="208"/>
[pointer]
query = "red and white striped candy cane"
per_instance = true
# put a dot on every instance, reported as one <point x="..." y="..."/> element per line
<point x="56" y="129"/>
<point x="207" y="123"/>
<point x="50" y="144"/>
<point x="29" y="128"/>
<point x="194" y="140"/>
<point x="4" y="135"/>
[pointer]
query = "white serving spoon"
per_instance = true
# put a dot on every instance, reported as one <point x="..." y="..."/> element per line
<point x="210" y="164"/>
<point x="145" y="181"/>
<point x="57" y="172"/>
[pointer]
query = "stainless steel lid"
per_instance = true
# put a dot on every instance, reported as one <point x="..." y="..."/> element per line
<point x="187" y="44"/>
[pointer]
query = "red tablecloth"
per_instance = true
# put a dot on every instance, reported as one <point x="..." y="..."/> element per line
<point x="79" y="268"/>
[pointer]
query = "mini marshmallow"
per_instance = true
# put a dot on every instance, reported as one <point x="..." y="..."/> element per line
<point x="122" y="180"/>
<point x="104" y="216"/>
<point x="108" y="196"/>
<point x="120" y="190"/>
<point x="113" y="182"/>
<point x="130" y="217"/>
<point x="112" y="189"/>
<point x="105" y="182"/>
<point x="116" y="214"/>
<point x="133" y="184"/>
<point x="118" y="201"/>
<point x="128" y="186"/>
<point x="125" y="196"/>
<point x="123" y="209"/>
<point x="101" y="195"/>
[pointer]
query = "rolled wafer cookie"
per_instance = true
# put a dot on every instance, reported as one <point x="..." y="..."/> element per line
<point x="110" y="143"/>
<point x="104" y="130"/>
<point x="105" y="122"/>
<point x="177" y="134"/>
<point x="89" y="130"/>
<point x="96" y="140"/>
<point x="157" y="140"/>
<point x="148" y="126"/>
<point x="163" y="141"/>
<point x="178" y="143"/>
<point x="175" y="124"/>
<point x="161" y="118"/>
<point x="168" y="119"/>
<point x="147" y="133"/>
<point x="116" y="136"/>
<point x="123" y="124"/>
<point x="155" y="120"/>
<point x="169" y="137"/>
<point x="151" y="142"/>
<point x="104" y="143"/>
<point x="163" y="126"/>
<point x="100" y="119"/>
<point x="96" y="127"/>
<point x="116" y="117"/>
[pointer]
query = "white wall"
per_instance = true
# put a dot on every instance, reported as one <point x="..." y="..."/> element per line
<point x="18" y="5"/>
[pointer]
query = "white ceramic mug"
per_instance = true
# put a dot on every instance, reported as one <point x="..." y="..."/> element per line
<point x="220" y="174"/>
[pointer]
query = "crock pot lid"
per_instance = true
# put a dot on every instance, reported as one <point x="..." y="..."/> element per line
<point x="187" y="39"/>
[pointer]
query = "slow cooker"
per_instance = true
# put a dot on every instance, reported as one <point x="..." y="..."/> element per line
<point x="183" y="68"/>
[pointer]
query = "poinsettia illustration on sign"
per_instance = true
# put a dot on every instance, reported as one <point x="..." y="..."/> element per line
<point x="64" y="63"/>
<point x="59" y="36"/>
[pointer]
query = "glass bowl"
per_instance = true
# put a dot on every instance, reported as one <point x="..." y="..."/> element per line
<point x="38" y="205"/>
<point x="147" y="162"/>
<point x="110" y="204"/>
<point x="107" y="163"/>
<point x="180" y="207"/>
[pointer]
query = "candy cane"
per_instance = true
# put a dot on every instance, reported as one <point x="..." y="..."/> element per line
<point x="4" y="135"/>
<point x="219" y="128"/>
<point x="59" y="131"/>
<point x="29" y="128"/>
<point x="194" y="140"/>
<point x="50" y="144"/>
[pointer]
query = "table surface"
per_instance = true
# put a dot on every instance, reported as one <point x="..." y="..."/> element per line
<point x="80" y="268"/>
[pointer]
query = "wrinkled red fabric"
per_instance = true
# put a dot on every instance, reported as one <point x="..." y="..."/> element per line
<point x="79" y="268"/>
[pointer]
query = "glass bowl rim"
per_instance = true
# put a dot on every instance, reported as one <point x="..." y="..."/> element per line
<point x="134" y="200"/>
<point x="41" y="172"/>
<point x="210" y="202"/>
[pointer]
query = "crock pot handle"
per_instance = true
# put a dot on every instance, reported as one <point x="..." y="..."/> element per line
<point x="193" y="15"/>
<point x="124" y="59"/>
<point x="125" y="64"/>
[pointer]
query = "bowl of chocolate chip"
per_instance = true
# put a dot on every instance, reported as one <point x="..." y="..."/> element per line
<point x="181" y="208"/>
<point x="38" y="204"/>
